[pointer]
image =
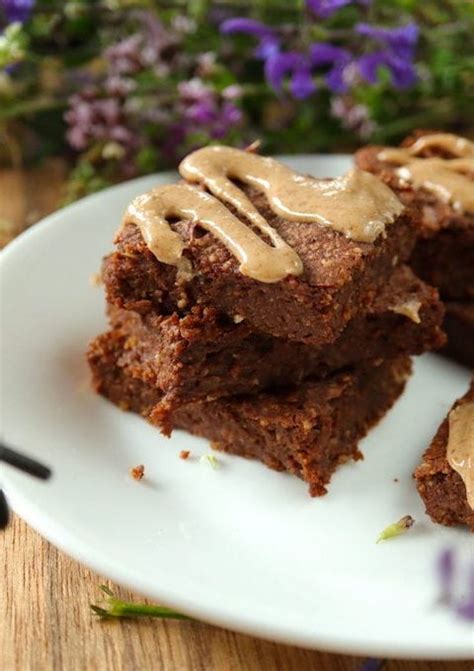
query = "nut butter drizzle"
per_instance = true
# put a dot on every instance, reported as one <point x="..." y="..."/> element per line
<point x="257" y="259"/>
<point x="460" y="450"/>
<point x="448" y="178"/>
<point x="357" y="204"/>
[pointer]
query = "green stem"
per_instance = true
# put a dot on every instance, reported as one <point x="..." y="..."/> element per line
<point x="128" y="609"/>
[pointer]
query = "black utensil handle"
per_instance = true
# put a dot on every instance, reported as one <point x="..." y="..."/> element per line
<point x="24" y="463"/>
<point x="4" y="514"/>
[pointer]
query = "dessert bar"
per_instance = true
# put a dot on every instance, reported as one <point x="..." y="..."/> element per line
<point x="445" y="477"/>
<point x="331" y="253"/>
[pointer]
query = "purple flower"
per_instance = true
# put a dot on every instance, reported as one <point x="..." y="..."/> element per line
<point x="402" y="71"/>
<point x="248" y="26"/>
<point x="16" y="10"/>
<point x="323" y="54"/>
<point x="396" y="55"/>
<point x="460" y="601"/>
<point x="124" y="58"/>
<point x="201" y="111"/>
<point x="268" y="43"/>
<point x="403" y="39"/>
<point x="92" y="119"/>
<point x="446" y="574"/>
<point x="298" y="66"/>
<point x="326" y="8"/>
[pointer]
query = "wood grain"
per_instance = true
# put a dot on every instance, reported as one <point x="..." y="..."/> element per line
<point x="46" y="623"/>
<point x="49" y="625"/>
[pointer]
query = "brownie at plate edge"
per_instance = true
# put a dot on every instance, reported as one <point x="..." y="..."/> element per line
<point x="441" y="488"/>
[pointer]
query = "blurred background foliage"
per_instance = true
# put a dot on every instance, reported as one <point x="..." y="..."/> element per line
<point x="121" y="88"/>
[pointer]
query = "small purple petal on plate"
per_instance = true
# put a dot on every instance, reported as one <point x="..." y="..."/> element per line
<point x="446" y="569"/>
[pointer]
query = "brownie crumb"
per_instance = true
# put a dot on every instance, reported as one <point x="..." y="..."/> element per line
<point x="137" y="472"/>
<point x="184" y="454"/>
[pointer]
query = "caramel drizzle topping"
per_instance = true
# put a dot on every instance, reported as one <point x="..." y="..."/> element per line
<point x="447" y="178"/>
<point x="357" y="204"/>
<point x="460" y="449"/>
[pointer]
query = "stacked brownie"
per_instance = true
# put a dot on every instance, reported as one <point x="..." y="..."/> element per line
<point x="444" y="253"/>
<point x="291" y="372"/>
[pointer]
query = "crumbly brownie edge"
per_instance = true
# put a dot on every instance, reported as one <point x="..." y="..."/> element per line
<point x="308" y="431"/>
<point x="198" y="357"/>
<point x="441" y="488"/>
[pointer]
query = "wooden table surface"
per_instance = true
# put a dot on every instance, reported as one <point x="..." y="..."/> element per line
<point x="46" y="623"/>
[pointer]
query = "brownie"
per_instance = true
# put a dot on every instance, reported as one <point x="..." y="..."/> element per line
<point x="307" y="431"/>
<point x="444" y="253"/>
<point x="459" y="327"/>
<point x="441" y="488"/>
<point x="201" y="356"/>
<point x="446" y="261"/>
<point x="341" y="277"/>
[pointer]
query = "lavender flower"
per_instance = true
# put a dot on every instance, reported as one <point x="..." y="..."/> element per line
<point x="462" y="604"/>
<point x="403" y="39"/>
<point x="91" y="119"/>
<point x="142" y="50"/>
<point x="396" y="55"/>
<point x="16" y="10"/>
<point x="268" y="42"/>
<point x="402" y="71"/>
<point x="125" y="57"/>
<point x="201" y="112"/>
<point x="298" y="66"/>
<point x="326" y="8"/>
<point x="446" y="574"/>
<point x="323" y="54"/>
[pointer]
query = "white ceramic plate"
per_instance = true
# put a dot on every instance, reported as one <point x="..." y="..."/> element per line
<point x="241" y="546"/>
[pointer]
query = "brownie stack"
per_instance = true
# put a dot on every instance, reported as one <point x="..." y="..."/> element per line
<point x="292" y="373"/>
<point x="444" y="253"/>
